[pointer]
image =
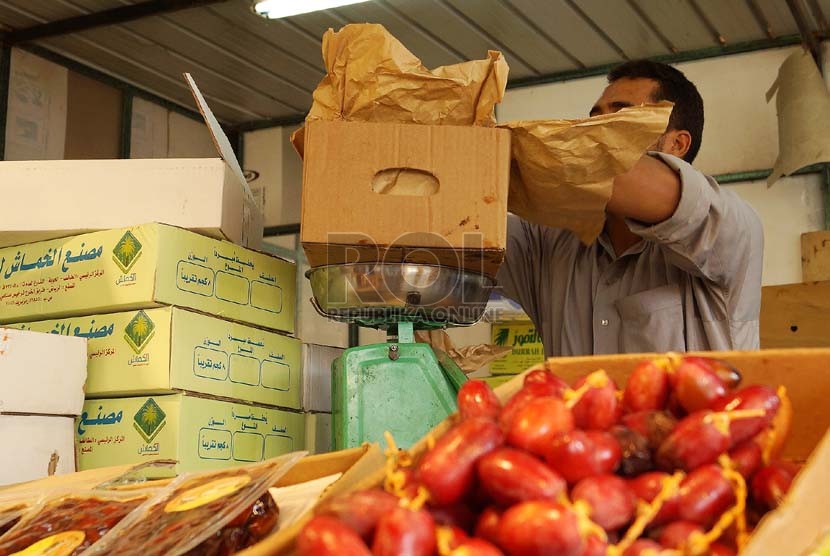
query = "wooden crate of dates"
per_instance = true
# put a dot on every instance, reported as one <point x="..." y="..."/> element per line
<point x="628" y="455"/>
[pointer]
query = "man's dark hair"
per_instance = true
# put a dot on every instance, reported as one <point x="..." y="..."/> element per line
<point x="673" y="86"/>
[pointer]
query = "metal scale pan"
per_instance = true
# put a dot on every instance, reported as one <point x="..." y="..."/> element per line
<point x="382" y="294"/>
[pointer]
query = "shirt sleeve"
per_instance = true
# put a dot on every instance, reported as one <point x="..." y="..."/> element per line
<point x="518" y="275"/>
<point x="713" y="233"/>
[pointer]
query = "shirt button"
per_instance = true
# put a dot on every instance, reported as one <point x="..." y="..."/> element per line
<point x="604" y="322"/>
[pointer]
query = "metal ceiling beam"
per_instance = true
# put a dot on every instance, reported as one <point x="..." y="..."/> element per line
<point x="799" y="11"/>
<point x="114" y="16"/>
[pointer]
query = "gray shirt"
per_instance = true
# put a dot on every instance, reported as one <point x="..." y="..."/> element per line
<point x="692" y="283"/>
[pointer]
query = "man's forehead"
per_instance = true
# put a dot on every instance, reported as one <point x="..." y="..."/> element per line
<point x="626" y="92"/>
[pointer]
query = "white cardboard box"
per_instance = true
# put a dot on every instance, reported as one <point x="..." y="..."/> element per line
<point x="57" y="198"/>
<point x="41" y="373"/>
<point x="317" y="362"/>
<point x="35" y="447"/>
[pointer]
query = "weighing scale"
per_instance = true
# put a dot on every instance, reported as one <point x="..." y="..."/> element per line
<point x="400" y="386"/>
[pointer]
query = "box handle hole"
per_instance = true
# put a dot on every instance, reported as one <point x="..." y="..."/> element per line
<point x="405" y="182"/>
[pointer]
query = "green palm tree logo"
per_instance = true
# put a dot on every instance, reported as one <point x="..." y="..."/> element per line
<point x="139" y="331"/>
<point x="149" y="420"/>
<point x="126" y="251"/>
<point x="501" y="336"/>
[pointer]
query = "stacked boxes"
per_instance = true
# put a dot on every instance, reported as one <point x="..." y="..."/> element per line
<point x="317" y="362"/>
<point x="165" y="311"/>
<point x="41" y="391"/>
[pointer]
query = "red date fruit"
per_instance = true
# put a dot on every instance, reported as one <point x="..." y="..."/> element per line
<point x="579" y="454"/>
<point x="718" y="549"/>
<point x="636" y="454"/>
<point x="643" y="547"/>
<point x="543" y="376"/>
<point x="655" y="426"/>
<point x="696" y="385"/>
<point x="598" y="408"/>
<point x="752" y="397"/>
<point x="538" y="422"/>
<point x="360" y="510"/>
<point x="540" y="528"/>
<point x="647" y="486"/>
<point x="704" y="495"/>
<point x="676" y="534"/>
<point x="405" y="532"/>
<point x="511" y="476"/>
<point x="695" y="441"/>
<point x="487" y="527"/>
<point x="771" y="484"/>
<point x="747" y="458"/>
<point x="327" y="536"/>
<point x="477" y="547"/>
<point x="647" y="388"/>
<point x="448" y="470"/>
<point x="521" y="398"/>
<point x="730" y="376"/>
<point x="457" y="515"/>
<point x="477" y="399"/>
<point x="612" y="503"/>
<point x="455" y="536"/>
<point x="594" y="546"/>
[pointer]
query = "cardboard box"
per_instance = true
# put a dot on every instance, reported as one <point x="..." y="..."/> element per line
<point x="453" y="211"/>
<point x="318" y="433"/>
<point x="41" y="373"/>
<point x="815" y="256"/>
<point x="160" y="350"/>
<point x="317" y="361"/>
<point x="143" y="267"/>
<point x="527" y="346"/>
<point x="200" y="433"/>
<point x="795" y="315"/>
<point x="35" y="446"/>
<point x="59" y="198"/>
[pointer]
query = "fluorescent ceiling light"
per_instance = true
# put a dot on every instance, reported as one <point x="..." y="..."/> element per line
<point x="275" y="9"/>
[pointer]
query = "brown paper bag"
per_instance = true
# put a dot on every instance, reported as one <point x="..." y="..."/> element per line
<point x="563" y="170"/>
<point x="803" y="104"/>
<point x="469" y="358"/>
<point x="372" y="77"/>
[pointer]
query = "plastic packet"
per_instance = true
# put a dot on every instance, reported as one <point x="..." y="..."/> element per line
<point x="193" y="509"/>
<point x="67" y="524"/>
<point x="13" y="506"/>
<point x="145" y="475"/>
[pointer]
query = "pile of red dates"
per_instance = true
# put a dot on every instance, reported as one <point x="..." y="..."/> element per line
<point x="682" y="461"/>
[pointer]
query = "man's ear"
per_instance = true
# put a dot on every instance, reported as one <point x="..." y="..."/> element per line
<point x="676" y="142"/>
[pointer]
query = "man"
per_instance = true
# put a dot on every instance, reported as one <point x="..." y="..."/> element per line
<point x="678" y="265"/>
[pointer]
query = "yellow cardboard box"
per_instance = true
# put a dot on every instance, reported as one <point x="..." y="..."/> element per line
<point x="527" y="346"/>
<point x="160" y="350"/>
<point x="200" y="433"/>
<point x="142" y="267"/>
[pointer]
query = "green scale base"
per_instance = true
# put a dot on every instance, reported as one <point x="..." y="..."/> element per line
<point x="402" y="387"/>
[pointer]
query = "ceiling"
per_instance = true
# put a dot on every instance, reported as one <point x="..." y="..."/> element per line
<point x="252" y="69"/>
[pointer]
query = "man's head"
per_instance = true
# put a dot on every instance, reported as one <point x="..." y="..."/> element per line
<point x="643" y="81"/>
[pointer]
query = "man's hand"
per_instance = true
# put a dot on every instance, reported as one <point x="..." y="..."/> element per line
<point x="648" y="193"/>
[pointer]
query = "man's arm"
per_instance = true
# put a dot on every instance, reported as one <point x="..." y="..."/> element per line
<point x="518" y="275"/>
<point x="648" y="193"/>
<point x="709" y="232"/>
